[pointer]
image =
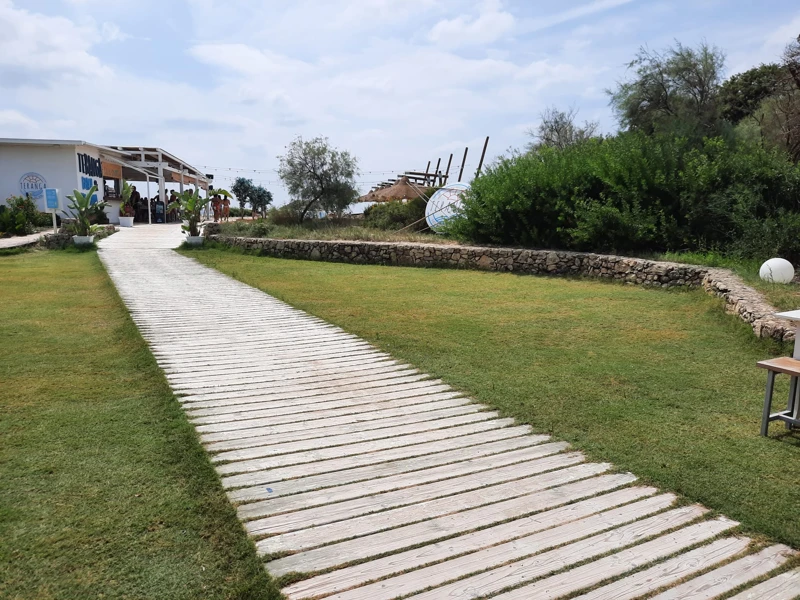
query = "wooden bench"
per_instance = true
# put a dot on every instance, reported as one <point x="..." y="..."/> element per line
<point x="790" y="416"/>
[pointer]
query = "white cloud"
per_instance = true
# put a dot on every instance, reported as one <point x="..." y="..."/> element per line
<point x="247" y="59"/>
<point x="35" y="46"/>
<point x="491" y="24"/>
<point x="110" y="32"/>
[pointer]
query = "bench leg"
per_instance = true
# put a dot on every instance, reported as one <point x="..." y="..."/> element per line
<point x="767" y="403"/>
<point x="794" y="401"/>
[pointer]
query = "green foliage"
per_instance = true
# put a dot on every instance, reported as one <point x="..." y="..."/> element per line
<point x="191" y="205"/>
<point x="288" y="214"/>
<point x="241" y="212"/>
<point x="19" y="216"/>
<point x="259" y="228"/>
<point x="126" y="209"/>
<point x="318" y="176"/>
<point x="396" y="215"/>
<point x="638" y="193"/>
<point x="82" y="210"/>
<point x="242" y="188"/>
<point x="674" y="91"/>
<point x="741" y="95"/>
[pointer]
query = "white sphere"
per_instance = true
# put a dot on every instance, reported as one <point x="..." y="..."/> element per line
<point x="777" y="270"/>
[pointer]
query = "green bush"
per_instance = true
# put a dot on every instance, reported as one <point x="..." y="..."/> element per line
<point x="19" y="216"/>
<point x="260" y="228"/>
<point x="638" y="193"/>
<point x="396" y="215"/>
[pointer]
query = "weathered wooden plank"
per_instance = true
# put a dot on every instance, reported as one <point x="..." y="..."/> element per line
<point x="731" y="576"/>
<point x="318" y="388"/>
<point x="270" y="476"/>
<point x="446" y="459"/>
<point x="396" y="517"/>
<point x="321" y="454"/>
<point x="348" y="491"/>
<point x="318" y="403"/>
<point x="263" y="375"/>
<point x="572" y="553"/>
<point x="386" y="375"/>
<point x="442" y="527"/>
<point x="577" y="578"/>
<point x="670" y="571"/>
<point x="356" y="507"/>
<point x="785" y="586"/>
<point x="545" y="528"/>
<point x="256" y="427"/>
<point x="306" y="430"/>
<point x="352" y="414"/>
<point x="286" y="446"/>
<point x="236" y="381"/>
<point x="422" y="387"/>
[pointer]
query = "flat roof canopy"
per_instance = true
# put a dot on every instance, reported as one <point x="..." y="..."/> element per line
<point x="137" y="162"/>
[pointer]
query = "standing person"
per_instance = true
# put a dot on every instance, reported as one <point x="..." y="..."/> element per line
<point x="134" y="202"/>
<point x="216" y="205"/>
<point x="226" y="208"/>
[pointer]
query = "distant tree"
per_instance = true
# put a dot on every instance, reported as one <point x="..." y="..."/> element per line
<point x="559" y="130"/>
<point x="742" y="94"/>
<point x="243" y="189"/>
<point x="260" y="199"/>
<point x="672" y="91"/>
<point x="318" y="176"/>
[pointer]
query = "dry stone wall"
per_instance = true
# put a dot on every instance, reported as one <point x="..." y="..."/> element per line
<point x="62" y="239"/>
<point x="740" y="299"/>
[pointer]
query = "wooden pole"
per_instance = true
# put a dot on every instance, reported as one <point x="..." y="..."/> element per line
<point x="463" y="162"/>
<point x="428" y="168"/>
<point x="435" y="172"/>
<point x="447" y="172"/>
<point x="483" y="154"/>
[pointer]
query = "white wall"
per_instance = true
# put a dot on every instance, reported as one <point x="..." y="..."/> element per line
<point x="57" y="165"/>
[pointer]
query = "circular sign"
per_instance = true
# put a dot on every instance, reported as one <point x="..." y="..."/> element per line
<point x="33" y="184"/>
<point x="444" y="204"/>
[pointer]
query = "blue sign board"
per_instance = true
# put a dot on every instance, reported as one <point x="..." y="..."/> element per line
<point x="51" y="198"/>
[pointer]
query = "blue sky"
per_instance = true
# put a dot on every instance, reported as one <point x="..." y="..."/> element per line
<point x="396" y="82"/>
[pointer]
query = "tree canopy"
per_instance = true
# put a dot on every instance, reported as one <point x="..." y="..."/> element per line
<point x="673" y="91"/>
<point x="318" y="176"/>
<point x="558" y="129"/>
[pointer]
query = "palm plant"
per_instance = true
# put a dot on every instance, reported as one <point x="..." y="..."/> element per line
<point x="81" y="209"/>
<point x="191" y="205"/>
<point x="126" y="208"/>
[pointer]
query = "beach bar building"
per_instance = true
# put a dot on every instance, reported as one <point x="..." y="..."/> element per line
<point x="29" y="166"/>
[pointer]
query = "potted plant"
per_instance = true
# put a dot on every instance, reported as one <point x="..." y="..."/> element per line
<point x="191" y="205"/>
<point x="126" y="210"/>
<point x="81" y="208"/>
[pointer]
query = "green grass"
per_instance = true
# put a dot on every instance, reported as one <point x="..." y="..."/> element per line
<point x="323" y="230"/>
<point x="663" y="384"/>
<point x="781" y="295"/>
<point x="105" y="491"/>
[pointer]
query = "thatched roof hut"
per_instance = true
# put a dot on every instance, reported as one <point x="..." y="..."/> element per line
<point x="402" y="189"/>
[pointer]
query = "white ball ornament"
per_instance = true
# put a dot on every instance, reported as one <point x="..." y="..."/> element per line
<point x="777" y="270"/>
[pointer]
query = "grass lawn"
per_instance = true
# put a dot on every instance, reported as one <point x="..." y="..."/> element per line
<point x="105" y="491"/>
<point x="663" y="384"/>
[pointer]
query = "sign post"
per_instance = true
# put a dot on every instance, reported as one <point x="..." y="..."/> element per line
<point x="51" y="202"/>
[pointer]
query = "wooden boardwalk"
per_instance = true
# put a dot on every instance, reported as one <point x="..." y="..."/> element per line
<point x="359" y="477"/>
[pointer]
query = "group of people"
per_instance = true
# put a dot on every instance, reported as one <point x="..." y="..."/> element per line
<point x="221" y="207"/>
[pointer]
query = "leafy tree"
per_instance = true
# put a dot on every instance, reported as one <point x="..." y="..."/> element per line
<point x="243" y="188"/>
<point x="741" y="95"/>
<point x="559" y="130"/>
<point x="260" y="199"/>
<point x="318" y="176"/>
<point x="674" y="91"/>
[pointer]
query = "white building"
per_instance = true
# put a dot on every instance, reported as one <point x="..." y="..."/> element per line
<point x="29" y="166"/>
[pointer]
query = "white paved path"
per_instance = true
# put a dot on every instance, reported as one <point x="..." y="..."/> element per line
<point x="378" y="482"/>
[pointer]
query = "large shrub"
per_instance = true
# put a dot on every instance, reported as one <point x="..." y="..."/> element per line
<point x="396" y="215"/>
<point x="19" y="216"/>
<point x="635" y="193"/>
